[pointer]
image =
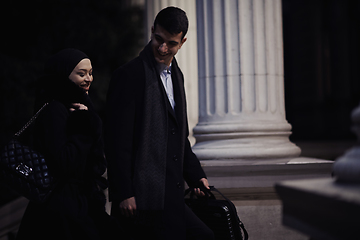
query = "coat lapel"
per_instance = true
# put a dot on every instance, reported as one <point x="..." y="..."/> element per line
<point x="169" y="109"/>
<point x="179" y="93"/>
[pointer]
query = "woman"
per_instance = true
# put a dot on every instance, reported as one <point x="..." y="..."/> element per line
<point x="68" y="133"/>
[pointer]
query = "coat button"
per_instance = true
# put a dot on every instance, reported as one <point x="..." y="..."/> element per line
<point x="175" y="158"/>
<point x="178" y="185"/>
<point x="173" y="131"/>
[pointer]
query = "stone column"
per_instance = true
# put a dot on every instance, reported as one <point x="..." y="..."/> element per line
<point x="186" y="57"/>
<point x="241" y="81"/>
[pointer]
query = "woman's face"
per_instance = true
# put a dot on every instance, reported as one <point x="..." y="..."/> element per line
<point x="82" y="74"/>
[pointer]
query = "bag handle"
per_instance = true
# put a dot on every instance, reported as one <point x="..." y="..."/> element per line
<point x="208" y="193"/>
<point x="30" y="121"/>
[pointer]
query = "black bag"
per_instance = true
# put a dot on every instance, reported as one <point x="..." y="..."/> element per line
<point x="24" y="170"/>
<point x="219" y="215"/>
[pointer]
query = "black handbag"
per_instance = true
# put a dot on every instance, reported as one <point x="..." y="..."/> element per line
<point x="25" y="170"/>
<point x="219" y="215"/>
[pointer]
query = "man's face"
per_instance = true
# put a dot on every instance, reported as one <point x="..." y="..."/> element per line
<point x="165" y="45"/>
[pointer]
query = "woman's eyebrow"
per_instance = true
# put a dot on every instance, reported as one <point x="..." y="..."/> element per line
<point x="85" y="70"/>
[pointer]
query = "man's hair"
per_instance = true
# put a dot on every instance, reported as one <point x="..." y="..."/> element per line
<point x="173" y="20"/>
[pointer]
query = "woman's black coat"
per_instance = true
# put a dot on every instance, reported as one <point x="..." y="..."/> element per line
<point x="72" y="146"/>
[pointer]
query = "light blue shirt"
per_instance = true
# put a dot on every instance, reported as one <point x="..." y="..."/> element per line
<point x="165" y="75"/>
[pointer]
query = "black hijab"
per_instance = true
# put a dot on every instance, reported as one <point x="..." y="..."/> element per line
<point x="64" y="62"/>
<point x="55" y="83"/>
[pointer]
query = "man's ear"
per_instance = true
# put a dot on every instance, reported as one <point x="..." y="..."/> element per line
<point x="152" y="33"/>
<point x="183" y="41"/>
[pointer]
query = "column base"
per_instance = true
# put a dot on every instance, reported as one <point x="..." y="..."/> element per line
<point x="270" y="147"/>
<point x="250" y="139"/>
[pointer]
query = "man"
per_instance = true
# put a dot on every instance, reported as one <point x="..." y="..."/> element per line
<point x="148" y="152"/>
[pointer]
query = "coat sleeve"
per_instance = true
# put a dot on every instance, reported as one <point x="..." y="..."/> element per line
<point x="121" y="127"/>
<point x="193" y="171"/>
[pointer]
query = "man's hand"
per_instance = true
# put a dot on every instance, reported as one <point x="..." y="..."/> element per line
<point x="128" y="207"/>
<point x="200" y="193"/>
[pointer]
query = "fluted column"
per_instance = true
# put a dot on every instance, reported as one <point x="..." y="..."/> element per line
<point x="241" y="81"/>
<point x="186" y="57"/>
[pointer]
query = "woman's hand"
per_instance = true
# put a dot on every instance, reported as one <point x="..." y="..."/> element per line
<point x="77" y="107"/>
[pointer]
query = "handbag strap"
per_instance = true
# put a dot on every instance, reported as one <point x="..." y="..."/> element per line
<point x="30" y="121"/>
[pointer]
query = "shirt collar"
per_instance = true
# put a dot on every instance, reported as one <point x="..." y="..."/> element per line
<point x="163" y="67"/>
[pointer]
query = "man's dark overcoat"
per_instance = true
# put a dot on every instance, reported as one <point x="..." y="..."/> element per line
<point x="141" y="124"/>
